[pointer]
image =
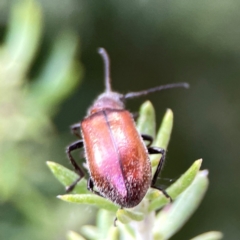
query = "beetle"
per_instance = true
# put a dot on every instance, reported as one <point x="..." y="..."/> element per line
<point x="117" y="157"/>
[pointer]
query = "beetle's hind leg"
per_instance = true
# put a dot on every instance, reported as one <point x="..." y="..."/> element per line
<point x="90" y="186"/>
<point x="76" y="145"/>
<point x="156" y="150"/>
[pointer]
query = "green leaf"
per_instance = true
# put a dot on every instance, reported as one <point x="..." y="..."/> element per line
<point x="104" y="221"/>
<point x="163" y="135"/>
<point x="113" y="234"/>
<point x="146" y="123"/>
<point x="159" y="199"/>
<point x="91" y="232"/>
<point x="95" y="233"/>
<point x="23" y="35"/>
<point x="126" y="231"/>
<point x="213" y="235"/>
<point x="53" y="86"/>
<point x="105" y="226"/>
<point x="9" y="171"/>
<point x="185" y="180"/>
<point x="126" y="216"/>
<point x="74" y="236"/>
<point x="67" y="177"/>
<point x="90" y="199"/>
<point x="175" y="215"/>
<point x="165" y="130"/>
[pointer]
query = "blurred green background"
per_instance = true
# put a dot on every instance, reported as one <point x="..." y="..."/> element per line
<point x="150" y="43"/>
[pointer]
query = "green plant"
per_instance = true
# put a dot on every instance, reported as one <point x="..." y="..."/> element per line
<point x="26" y="108"/>
<point x="26" y="129"/>
<point x="143" y="222"/>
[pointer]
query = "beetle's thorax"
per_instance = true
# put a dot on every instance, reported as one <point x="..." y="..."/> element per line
<point x="107" y="100"/>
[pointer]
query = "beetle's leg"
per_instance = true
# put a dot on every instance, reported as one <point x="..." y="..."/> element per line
<point x="79" y="171"/>
<point x="75" y="129"/>
<point x="156" y="150"/>
<point x="90" y="186"/>
<point x="149" y="138"/>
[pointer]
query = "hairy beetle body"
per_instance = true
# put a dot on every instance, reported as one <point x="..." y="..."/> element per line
<point x="117" y="157"/>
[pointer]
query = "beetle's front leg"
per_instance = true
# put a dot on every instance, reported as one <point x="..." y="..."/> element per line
<point x="76" y="145"/>
<point x="149" y="138"/>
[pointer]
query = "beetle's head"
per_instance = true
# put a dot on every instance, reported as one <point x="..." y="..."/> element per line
<point x="107" y="100"/>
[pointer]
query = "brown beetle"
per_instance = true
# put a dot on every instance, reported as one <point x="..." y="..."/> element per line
<point x="117" y="157"/>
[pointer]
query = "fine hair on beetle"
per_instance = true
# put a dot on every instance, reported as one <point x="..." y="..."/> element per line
<point x="117" y="156"/>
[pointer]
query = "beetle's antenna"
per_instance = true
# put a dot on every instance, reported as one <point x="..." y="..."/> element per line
<point x="155" y="89"/>
<point x="106" y="62"/>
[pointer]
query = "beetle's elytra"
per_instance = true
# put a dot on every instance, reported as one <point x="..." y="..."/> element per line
<point x="121" y="169"/>
<point x="117" y="157"/>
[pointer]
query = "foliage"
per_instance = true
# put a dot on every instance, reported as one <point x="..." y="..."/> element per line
<point x="28" y="101"/>
<point x="26" y="131"/>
